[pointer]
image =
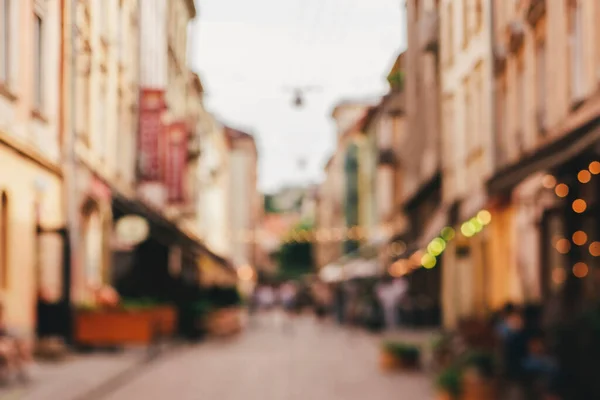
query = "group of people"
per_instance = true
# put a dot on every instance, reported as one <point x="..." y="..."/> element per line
<point x="528" y="364"/>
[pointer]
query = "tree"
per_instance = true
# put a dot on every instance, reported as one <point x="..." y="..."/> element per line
<point x="296" y="258"/>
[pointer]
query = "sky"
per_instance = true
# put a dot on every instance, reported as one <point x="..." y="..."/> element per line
<point x="251" y="54"/>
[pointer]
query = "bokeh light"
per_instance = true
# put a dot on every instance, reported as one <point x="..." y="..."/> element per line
<point x="549" y="182"/>
<point x="478" y="226"/>
<point x="436" y="247"/>
<point x="398" y="269"/>
<point x="580" y="238"/>
<point x="595" y="249"/>
<point x="594" y="167"/>
<point x="563" y="246"/>
<point x="579" y="206"/>
<point x="561" y="190"/>
<point x="580" y="270"/>
<point x="467" y="229"/>
<point x="484" y="217"/>
<point x="415" y="259"/>
<point x="428" y="261"/>
<point x="558" y="275"/>
<point x="398" y="248"/>
<point x="448" y="233"/>
<point x="584" y="176"/>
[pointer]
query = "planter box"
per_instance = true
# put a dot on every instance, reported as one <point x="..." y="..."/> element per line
<point x="224" y="322"/>
<point x="389" y="361"/>
<point x="475" y="388"/>
<point x="123" y="327"/>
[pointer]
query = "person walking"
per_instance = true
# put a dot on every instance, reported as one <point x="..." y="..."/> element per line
<point x="289" y="296"/>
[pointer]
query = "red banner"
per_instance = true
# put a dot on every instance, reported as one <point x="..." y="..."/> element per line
<point x="152" y="107"/>
<point x="175" y="161"/>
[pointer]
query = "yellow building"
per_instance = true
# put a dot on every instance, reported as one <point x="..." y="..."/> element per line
<point x="31" y="191"/>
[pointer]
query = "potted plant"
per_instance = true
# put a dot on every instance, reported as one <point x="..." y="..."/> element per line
<point x="396" y="355"/>
<point x="448" y="384"/>
<point x="478" y="376"/>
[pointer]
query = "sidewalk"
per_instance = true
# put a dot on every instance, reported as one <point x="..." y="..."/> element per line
<point x="78" y="376"/>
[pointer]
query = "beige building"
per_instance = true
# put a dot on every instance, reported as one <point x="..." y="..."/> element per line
<point x="468" y="147"/>
<point x="31" y="190"/>
<point x="103" y="115"/>
<point x="214" y="179"/>
<point x="244" y="199"/>
<point x="547" y="58"/>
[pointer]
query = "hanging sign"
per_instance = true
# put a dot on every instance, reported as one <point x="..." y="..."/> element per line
<point x="152" y="107"/>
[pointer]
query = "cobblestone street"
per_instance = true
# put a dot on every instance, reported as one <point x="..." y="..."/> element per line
<point x="268" y="363"/>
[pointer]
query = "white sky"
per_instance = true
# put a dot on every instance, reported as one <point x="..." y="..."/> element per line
<point x="249" y="53"/>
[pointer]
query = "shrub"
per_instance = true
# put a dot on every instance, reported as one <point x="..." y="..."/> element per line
<point x="449" y="381"/>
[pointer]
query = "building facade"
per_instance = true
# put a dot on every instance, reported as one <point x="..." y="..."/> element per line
<point x="244" y="206"/>
<point x="31" y="181"/>
<point x="547" y="60"/>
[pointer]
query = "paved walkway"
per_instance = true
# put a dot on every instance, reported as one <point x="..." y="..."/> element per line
<point x="266" y="363"/>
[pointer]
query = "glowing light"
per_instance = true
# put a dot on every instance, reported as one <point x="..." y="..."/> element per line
<point x="580" y="270"/>
<point x="478" y="226"/>
<point x="594" y="167"/>
<point x="561" y="190"/>
<point x="595" y="249"/>
<point x="563" y="246"/>
<point x="428" y="261"/>
<point x="398" y="269"/>
<point x="579" y="206"/>
<point x="558" y="276"/>
<point x="448" y="233"/>
<point x="436" y="247"/>
<point x="245" y="273"/>
<point x="580" y="238"/>
<point x="484" y="217"/>
<point x="467" y="229"/>
<point x="415" y="259"/>
<point x="398" y="248"/>
<point x="584" y="176"/>
<point x="549" y="182"/>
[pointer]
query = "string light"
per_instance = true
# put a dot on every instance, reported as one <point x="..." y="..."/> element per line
<point x="580" y="270"/>
<point x="561" y="190"/>
<point x="584" y="176"/>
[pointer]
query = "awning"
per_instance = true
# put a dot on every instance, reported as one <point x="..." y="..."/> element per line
<point x="548" y="157"/>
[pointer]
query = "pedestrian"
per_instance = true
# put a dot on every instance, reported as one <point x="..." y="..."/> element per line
<point x="390" y="292"/>
<point x="288" y="294"/>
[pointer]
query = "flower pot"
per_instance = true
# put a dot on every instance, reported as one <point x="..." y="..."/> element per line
<point x="388" y="361"/>
<point x="114" y="328"/>
<point x="477" y="388"/>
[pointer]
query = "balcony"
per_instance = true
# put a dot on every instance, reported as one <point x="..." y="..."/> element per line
<point x="429" y="31"/>
<point x="516" y="35"/>
<point x="535" y="11"/>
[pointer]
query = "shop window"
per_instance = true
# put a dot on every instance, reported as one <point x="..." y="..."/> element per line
<point x="4" y="236"/>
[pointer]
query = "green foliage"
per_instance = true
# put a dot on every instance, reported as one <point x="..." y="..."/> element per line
<point x="405" y="351"/>
<point x="450" y="381"/>
<point x="296" y="258"/>
<point x="270" y="205"/>
<point x="396" y="80"/>
<point x="143" y="303"/>
<point x="482" y="361"/>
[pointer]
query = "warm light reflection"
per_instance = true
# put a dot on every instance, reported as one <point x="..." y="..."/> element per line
<point x="561" y="190"/>
<point x="579" y="206"/>
<point x="594" y="167"/>
<point x="467" y="229"/>
<point x="484" y="217"/>
<point x="558" y="276"/>
<point x="245" y="273"/>
<point x="448" y="233"/>
<point x="580" y="238"/>
<point x="428" y="261"/>
<point x="398" y="269"/>
<point x="563" y="246"/>
<point x="580" y="270"/>
<point x="549" y="182"/>
<point x="595" y="249"/>
<point x="415" y="259"/>
<point x="584" y="176"/>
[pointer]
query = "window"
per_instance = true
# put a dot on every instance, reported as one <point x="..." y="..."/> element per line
<point x="465" y="22"/>
<point x="478" y="15"/>
<point x="4" y="40"/>
<point x="103" y="15"/>
<point x="101" y="121"/>
<point x="521" y="105"/>
<point x="4" y="242"/>
<point x="576" y="49"/>
<point x="541" y="84"/>
<point x="450" y="33"/>
<point x="501" y="120"/>
<point x="38" y="62"/>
